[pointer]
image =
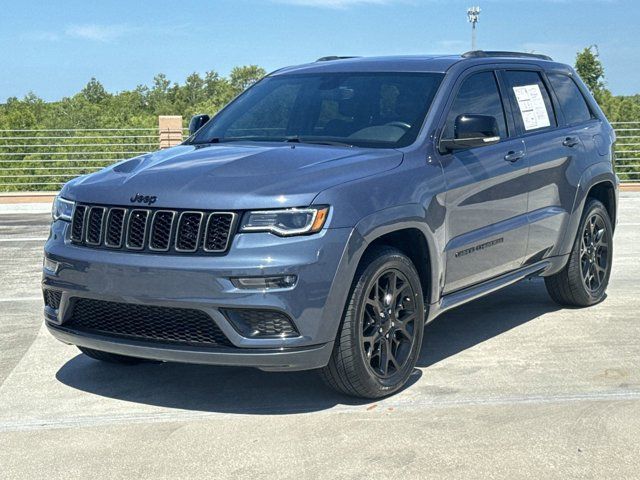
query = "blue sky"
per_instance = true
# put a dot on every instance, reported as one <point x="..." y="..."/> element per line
<point x="53" y="48"/>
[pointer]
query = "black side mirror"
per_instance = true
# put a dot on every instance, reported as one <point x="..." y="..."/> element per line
<point x="472" y="131"/>
<point x="197" y="121"/>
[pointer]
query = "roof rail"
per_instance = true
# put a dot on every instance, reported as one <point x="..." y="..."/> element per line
<point x="483" y="53"/>
<point x="333" y="57"/>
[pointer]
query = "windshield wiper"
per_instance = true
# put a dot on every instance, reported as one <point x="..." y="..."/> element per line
<point x="298" y="139"/>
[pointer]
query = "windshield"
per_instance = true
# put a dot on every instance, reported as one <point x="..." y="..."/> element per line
<point x="384" y="110"/>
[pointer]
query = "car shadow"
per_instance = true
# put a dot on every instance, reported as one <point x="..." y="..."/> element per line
<point x="482" y="319"/>
<point x="251" y="391"/>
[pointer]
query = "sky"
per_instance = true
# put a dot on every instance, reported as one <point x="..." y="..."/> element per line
<point x="54" y="47"/>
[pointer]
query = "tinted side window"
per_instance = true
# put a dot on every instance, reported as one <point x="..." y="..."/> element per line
<point x="534" y="110"/>
<point x="571" y="100"/>
<point x="478" y="95"/>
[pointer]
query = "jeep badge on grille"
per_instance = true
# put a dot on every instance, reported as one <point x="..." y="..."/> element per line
<point x="146" y="199"/>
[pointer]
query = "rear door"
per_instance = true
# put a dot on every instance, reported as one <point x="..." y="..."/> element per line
<point x="554" y="147"/>
<point x="486" y="199"/>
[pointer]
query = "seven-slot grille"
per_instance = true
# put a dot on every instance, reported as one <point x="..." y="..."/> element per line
<point x="152" y="230"/>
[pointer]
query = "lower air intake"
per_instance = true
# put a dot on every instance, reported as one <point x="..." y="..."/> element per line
<point x="52" y="298"/>
<point x="166" y="325"/>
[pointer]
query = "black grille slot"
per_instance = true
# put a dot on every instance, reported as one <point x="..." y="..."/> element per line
<point x="188" y="235"/>
<point x="153" y="230"/>
<point x="52" y="298"/>
<point x="94" y="225"/>
<point x="145" y="322"/>
<point x="161" y="230"/>
<point x="260" y="323"/>
<point x="115" y="227"/>
<point x="136" y="232"/>
<point x="218" y="231"/>
<point x="77" y="226"/>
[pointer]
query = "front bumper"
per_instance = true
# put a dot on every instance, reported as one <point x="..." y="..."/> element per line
<point x="283" y="359"/>
<point x="203" y="283"/>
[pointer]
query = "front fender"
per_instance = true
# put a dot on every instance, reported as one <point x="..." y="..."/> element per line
<point x="412" y="216"/>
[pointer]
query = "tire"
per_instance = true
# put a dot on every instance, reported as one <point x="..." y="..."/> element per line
<point x="110" y="357"/>
<point x="584" y="279"/>
<point x="368" y="331"/>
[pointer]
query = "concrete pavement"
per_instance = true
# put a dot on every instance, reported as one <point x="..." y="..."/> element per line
<point x="510" y="386"/>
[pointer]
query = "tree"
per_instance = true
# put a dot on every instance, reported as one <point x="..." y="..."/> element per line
<point x="94" y="92"/>
<point x="590" y="69"/>
<point x="242" y="78"/>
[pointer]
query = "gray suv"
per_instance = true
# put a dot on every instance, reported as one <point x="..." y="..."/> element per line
<point x="331" y="210"/>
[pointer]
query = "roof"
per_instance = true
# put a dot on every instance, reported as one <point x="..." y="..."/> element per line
<point x="413" y="63"/>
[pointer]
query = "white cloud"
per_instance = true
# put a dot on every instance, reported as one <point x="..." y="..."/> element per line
<point x="98" y="33"/>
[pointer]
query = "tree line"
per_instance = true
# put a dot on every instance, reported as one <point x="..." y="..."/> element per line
<point x="44" y="160"/>
<point x="94" y="107"/>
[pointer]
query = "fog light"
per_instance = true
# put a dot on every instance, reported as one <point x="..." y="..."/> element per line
<point x="265" y="283"/>
<point x="50" y="266"/>
<point x="260" y="323"/>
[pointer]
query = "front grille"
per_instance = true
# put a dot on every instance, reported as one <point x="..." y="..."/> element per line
<point x="255" y="323"/>
<point x="166" y="325"/>
<point x="52" y="298"/>
<point x="188" y="231"/>
<point x="149" y="230"/>
<point x="77" y="227"/>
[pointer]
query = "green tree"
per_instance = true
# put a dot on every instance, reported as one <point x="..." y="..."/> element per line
<point x="242" y="78"/>
<point x="591" y="70"/>
<point x="94" y="91"/>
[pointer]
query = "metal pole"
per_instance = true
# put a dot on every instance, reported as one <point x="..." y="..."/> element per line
<point x="473" y="14"/>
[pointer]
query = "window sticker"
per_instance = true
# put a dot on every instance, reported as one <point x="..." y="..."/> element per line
<point x="532" y="108"/>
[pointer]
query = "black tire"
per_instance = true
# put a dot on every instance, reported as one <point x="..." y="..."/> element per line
<point x="110" y="357"/>
<point x="584" y="279"/>
<point x="393" y="322"/>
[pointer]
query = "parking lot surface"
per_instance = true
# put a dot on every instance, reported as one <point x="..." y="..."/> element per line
<point x="510" y="386"/>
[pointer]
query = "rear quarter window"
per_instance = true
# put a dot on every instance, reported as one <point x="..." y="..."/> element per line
<point x="533" y="107"/>
<point x="572" y="102"/>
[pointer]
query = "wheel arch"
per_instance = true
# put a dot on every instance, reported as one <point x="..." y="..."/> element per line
<point x="600" y="182"/>
<point x="406" y="229"/>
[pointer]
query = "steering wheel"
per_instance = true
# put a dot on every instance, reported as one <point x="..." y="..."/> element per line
<point x="403" y="125"/>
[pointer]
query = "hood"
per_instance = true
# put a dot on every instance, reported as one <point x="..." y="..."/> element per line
<point x="231" y="176"/>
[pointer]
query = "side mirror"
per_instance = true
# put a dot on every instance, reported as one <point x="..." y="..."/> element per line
<point x="197" y="121"/>
<point x="472" y="131"/>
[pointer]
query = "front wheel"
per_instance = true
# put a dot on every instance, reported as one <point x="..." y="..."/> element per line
<point x="379" y="341"/>
<point x="584" y="279"/>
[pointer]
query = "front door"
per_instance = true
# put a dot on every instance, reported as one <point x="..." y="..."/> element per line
<point x="486" y="199"/>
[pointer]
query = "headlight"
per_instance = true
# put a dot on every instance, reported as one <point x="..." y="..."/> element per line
<point x="293" y="221"/>
<point x="62" y="209"/>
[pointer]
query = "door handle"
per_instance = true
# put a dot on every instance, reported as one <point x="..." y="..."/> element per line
<point x="570" y="142"/>
<point x="514" y="156"/>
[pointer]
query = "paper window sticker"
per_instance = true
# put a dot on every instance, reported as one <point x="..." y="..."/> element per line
<point x="532" y="107"/>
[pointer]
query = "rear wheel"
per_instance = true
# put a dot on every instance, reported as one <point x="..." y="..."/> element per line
<point x="379" y="341"/>
<point x="110" y="357"/>
<point x="584" y="279"/>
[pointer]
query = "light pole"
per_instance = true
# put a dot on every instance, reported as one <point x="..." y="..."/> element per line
<point x="473" y="13"/>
